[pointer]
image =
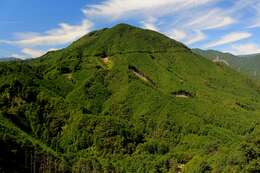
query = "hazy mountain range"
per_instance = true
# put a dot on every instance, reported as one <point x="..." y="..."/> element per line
<point x="8" y="59"/>
<point x="247" y="64"/>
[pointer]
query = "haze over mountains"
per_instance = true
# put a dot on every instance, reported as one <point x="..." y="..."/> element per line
<point x="124" y="99"/>
<point x="247" y="64"/>
<point x="8" y="59"/>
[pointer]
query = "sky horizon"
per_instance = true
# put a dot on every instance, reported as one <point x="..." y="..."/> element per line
<point x="31" y="28"/>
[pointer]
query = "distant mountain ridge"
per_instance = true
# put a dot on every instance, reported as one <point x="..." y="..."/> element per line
<point x="8" y="59"/>
<point x="247" y="64"/>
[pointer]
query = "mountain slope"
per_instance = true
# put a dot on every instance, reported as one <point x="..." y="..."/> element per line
<point x="130" y="100"/>
<point x="248" y="64"/>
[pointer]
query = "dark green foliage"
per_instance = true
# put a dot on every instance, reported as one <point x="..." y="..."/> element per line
<point x="127" y="100"/>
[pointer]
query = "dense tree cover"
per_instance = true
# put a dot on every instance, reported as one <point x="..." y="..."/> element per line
<point x="127" y="100"/>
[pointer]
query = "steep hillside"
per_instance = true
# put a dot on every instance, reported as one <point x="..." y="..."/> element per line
<point x="247" y="64"/>
<point x="127" y="100"/>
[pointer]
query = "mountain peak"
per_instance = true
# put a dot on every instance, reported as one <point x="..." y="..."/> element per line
<point x="125" y="38"/>
<point x="123" y="26"/>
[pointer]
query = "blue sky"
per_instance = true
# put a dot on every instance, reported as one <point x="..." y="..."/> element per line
<point x="29" y="28"/>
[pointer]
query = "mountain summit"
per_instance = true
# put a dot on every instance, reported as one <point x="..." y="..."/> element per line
<point x="126" y="99"/>
<point x="124" y="38"/>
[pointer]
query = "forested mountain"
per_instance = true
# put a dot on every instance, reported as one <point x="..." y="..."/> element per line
<point x="126" y="99"/>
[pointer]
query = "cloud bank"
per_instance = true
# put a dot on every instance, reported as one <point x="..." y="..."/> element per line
<point x="193" y="22"/>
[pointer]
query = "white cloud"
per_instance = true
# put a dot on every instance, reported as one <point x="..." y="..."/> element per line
<point x="188" y="38"/>
<point x="150" y="11"/>
<point x="230" y="38"/>
<point x="211" y="19"/>
<point x="32" y="53"/>
<point x="256" y="19"/>
<point x="201" y="18"/>
<point x="176" y="11"/>
<point x="199" y="36"/>
<point x="33" y="44"/>
<point x="14" y="55"/>
<point x="239" y="5"/>
<point x="150" y="24"/>
<point x="245" y="49"/>
<point x="184" y="20"/>
<point x="177" y="34"/>
<point x="256" y="24"/>
<point x="64" y="34"/>
<point x="117" y="9"/>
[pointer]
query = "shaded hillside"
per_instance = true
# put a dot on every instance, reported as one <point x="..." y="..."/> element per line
<point x="128" y="100"/>
<point x="247" y="64"/>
